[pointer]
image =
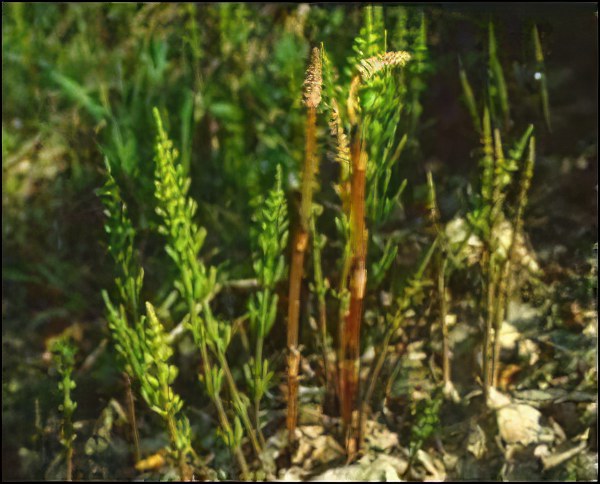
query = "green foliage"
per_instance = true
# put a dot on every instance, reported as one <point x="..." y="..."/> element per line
<point x="426" y="415"/>
<point x="498" y="174"/>
<point x="143" y="346"/>
<point x="87" y="83"/>
<point x="146" y="350"/>
<point x="184" y="239"/>
<point x="176" y="210"/>
<point x="121" y="234"/>
<point x="269" y="239"/>
<point x="412" y="291"/>
<point x="269" y="236"/>
<point x="255" y="99"/>
<point x="383" y="104"/>
<point x="196" y="284"/>
<point x="418" y="70"/>
<point x="411" y="294"/>
<point x="371" y="38"/>
<point x="497" y="90"/>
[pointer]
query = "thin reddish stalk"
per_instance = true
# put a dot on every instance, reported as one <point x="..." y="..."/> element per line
<point x="312" y="98"/>
<point x="297" y="267"/>
<point x="349" y="375"/>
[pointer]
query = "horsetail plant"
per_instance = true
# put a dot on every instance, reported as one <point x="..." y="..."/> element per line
<point x="505" y="167"/>
<point x="144" y="346"/>
<point x="197" y="284"/>
<point x="269" y="239"/>
<point x="63" y="352"/>
<point x="488" y="219"/>
<point x="376" y="202"/>
<point x="506" y="277"/>
<point x="357" y="277"/>
<point x="146" y="350"/>
<point x="121" y="235"/>
<point x="341" y="155"/>
<point x="497" y="175"/>
<point x="441" y="263"/>
<point x="312" y="99"/>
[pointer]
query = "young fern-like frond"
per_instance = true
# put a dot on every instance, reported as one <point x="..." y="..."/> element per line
<point x="269" y="236"/>
<point x="382" y="112"/>
<point x="184" y="237"/>
<point x="196" y="284"/>
<point x="498" y="169"/>
<point x="129" y="282"/>
<point x="146" y="350"/>
<point x="370" y="40"/>
<point x="366" y="70"/>
<point x="380" y="105"/>
<point x="121" y="235"/>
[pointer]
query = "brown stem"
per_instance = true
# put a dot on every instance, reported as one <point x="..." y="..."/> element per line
<point x="443" y="324"/>
<point x="312" y="98"/>
<point x="343" y="316"/>
<point x="132" y="419"/>
<point x="296" y="269"/>
<point x="322" y="322"/>
<point x="350" y="365"/>
<point x="69" y="476"/>
<point x="499" y="313"/>
<point x="489" y="319"/>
